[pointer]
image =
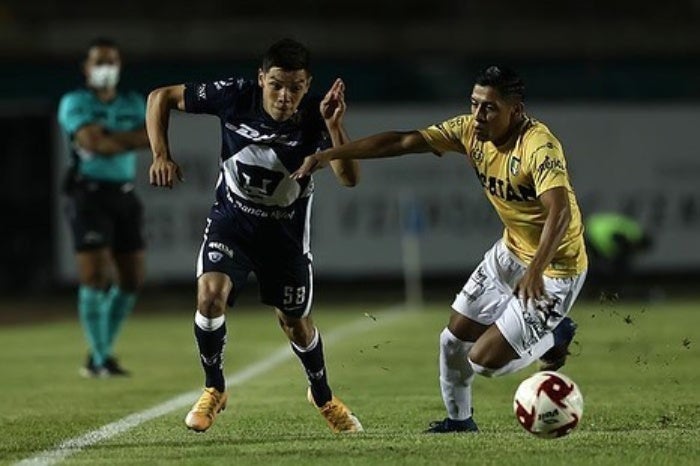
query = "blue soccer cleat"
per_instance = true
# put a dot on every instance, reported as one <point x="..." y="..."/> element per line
<point x="563" y="333"/>
<point x="448" y="425"/>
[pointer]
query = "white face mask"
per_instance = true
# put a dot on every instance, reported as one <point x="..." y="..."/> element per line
<point x="103" y="76"/>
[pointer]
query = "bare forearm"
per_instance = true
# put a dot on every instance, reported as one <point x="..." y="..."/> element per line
<point x="339" y="135"/>
<point x="388" y="144"/>
<point x="346" y="171"/>
<point x="158" y="107"/>
<point x="552" y="233"/>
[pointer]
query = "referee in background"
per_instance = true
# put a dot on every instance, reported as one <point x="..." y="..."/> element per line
<point x="104" y="128"/>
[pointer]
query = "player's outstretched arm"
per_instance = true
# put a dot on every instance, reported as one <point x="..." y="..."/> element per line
<point x="161" y="101"/>
<point x="389" y="144"/>
<point x="332" y="109"/>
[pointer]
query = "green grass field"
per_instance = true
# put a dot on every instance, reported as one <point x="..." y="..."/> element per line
<point x="637" y="366"/>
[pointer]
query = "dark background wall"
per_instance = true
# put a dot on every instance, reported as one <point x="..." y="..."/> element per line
<point x="388" y="52"/>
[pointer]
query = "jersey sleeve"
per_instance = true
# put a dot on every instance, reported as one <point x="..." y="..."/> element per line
<point x="74" y="112"/>
<point x="211" y="97"/>
<point x="448" y="135"/>
<point x="545" y="161"/>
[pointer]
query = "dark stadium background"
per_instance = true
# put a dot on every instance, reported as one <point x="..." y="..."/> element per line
<point x="582" y="53"/>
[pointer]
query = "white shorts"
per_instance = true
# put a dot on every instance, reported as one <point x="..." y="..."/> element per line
<point x="488" y="298"/>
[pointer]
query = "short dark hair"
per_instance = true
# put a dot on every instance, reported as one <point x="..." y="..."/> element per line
<point x="504" y="79"/>
<point x="103" y="42"/>
<point x="287" y="54"/>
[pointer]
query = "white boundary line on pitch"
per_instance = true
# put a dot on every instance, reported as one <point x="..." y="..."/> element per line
<point x="74" y="445"/>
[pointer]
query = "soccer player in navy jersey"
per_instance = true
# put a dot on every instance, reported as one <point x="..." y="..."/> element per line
<point x="104" y="127"/>
<point x="261" y="217"/>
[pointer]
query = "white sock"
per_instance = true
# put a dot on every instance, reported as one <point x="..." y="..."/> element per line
<point x="537" y="351"/>
<point x="208" y="324"/>
<point x="456" y="376"/>
<point x="312" y="345"/>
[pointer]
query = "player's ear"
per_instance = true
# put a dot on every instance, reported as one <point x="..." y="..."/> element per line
<point x="518" y="108"/>
<point x="261" y="77"/>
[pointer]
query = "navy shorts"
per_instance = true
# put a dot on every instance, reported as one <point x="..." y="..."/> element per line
<point x="273" y="244"/>
<point x="105" y="215"/>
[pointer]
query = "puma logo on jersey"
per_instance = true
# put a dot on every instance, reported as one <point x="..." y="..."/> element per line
<point x="257" y="182"/>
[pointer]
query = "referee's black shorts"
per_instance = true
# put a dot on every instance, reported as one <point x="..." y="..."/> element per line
<point x="104" y="214"/>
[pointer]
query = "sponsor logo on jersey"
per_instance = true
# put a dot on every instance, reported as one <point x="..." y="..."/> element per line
<point x="223" y="83"/>
<point x="277" y="214"/>
<point x="221" y="248"/>
<point x="215" y="256"/>
<point x="202" y="92"/>
<point x="477" y="155"/>
<point x="256" y="136"/>
<point x="505" y="190"/>
<point x="550" y="164"/>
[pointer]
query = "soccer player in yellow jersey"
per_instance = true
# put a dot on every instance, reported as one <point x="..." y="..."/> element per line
<point x="513" y="309"/>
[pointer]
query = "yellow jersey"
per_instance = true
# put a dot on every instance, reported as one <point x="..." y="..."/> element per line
<point x="513" y="177"/>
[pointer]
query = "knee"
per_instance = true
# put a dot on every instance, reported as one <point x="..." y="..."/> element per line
<point x="450" y="345"/>
<point x="131" y="281"/>
<point x="97" y="278"/>
<point x="483" y="361"/>
<point x="211" y="302"/>
<point x="481" y="369"/>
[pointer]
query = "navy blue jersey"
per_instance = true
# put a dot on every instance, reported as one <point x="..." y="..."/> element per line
<point x="258" y="153"/>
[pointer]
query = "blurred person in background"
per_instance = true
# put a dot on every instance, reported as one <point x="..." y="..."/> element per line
<point x="261" y="218"/>
<point x="513" y="309"/>
<point x="614" y="240"/>
<point x="104" y="127"/>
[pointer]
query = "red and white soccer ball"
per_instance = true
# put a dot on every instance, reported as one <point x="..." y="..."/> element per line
<point x="548" y="405"/>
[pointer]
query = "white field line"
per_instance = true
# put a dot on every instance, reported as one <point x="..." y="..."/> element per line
<point x="74" y="445"/>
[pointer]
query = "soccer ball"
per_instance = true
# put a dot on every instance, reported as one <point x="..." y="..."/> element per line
<point x="548" y="405"/>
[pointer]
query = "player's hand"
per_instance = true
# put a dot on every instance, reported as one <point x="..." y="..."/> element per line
<point x="164" y="172"/>
<point x="311" y="164"/>
<point x="530" y="288"/>
<point x="333" y="105"/>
